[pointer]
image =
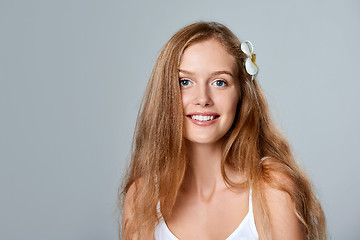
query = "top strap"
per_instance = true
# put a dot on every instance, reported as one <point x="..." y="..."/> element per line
<point x="250" y="202"/>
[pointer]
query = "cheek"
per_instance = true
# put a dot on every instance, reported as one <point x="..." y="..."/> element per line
<point x="231" y="111"/>
<point x="234" y="105"/>
<point x="235" y="100"/>
<point x="229" y="102"/>
<point x="185" y="99"/>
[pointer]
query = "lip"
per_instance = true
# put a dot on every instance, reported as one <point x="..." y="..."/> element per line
<point x="203" y="123"/>
<point x="203" y="113"/>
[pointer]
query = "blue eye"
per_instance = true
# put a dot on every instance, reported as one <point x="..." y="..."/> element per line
<point x="220" y="83"/>
<point x="184" y="82"/>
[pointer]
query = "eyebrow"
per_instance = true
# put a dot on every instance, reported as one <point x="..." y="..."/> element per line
<point x="212" y="74"/>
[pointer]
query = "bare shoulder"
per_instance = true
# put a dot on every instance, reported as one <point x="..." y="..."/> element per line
<point x="283" y="220"/>
<point x="128" y="211"/>
<point x="129" y="198"/>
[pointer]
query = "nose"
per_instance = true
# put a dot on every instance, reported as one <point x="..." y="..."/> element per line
<point x="203" y="97"/>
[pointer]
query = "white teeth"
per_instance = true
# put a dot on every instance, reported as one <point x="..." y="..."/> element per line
<point x="202" y="118"/>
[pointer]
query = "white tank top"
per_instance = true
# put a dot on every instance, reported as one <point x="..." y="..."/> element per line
<point x="245" y="231"/>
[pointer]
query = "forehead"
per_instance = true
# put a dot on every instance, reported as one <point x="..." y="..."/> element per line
<point x="210" y="54"/>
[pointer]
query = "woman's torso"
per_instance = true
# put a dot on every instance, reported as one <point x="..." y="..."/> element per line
<point x="229" y="217"/>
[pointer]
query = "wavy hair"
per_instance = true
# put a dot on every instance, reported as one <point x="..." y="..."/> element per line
<point x="158" y="152"/>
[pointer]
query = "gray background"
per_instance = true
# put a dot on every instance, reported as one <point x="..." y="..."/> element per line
<point x="72" y="74"/>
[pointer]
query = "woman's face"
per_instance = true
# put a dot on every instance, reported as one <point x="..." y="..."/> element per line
<point x="209" y="89"/>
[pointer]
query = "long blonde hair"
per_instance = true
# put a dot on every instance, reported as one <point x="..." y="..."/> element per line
<point x="158" y="152"/>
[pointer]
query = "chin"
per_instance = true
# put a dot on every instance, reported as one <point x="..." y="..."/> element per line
<point x="202" y="140"/>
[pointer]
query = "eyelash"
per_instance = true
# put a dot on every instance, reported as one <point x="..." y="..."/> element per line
<point x="220" y="80"/>
<point x="182" y="80"/>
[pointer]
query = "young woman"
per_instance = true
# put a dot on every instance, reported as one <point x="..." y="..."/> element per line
<point x="207" y="162"/>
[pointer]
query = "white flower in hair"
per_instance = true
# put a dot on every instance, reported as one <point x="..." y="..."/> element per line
<point x="250" y="65"/>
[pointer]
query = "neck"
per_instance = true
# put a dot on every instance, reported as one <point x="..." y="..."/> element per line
<point x="204" y="174"/>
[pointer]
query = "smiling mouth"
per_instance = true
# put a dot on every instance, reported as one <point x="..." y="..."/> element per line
<point x="203" y="118"/>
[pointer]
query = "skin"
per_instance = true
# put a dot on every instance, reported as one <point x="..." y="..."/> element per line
<point x="205" y="207"/>
<point x="208" y="84"/>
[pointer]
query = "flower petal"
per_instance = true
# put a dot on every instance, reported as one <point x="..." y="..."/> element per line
<point x="247" y="48"/>
<point x="250" y="67"/>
